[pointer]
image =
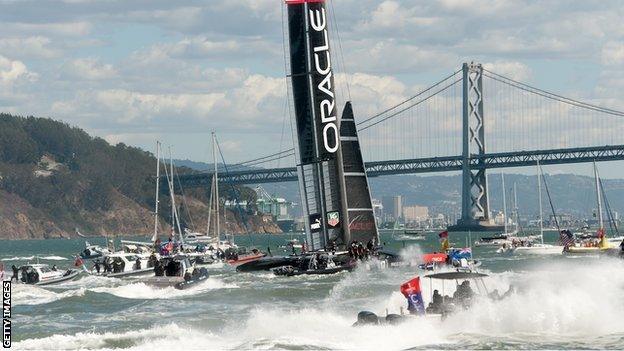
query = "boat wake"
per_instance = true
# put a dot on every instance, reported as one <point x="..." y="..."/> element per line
<point x="143" y="291"/>
<point x="30" y="258"/>
<point x="567" y="304"/>
<point x="35" y="295"/>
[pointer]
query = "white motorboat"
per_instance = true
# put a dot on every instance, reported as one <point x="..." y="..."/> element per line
<point x="43" y="274"/>
<point x="93" y="251"/>
<point x="124" y="264"/>
<point x="177" y="272"/>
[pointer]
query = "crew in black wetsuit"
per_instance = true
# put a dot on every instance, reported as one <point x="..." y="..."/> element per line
<point x="15" y="273"/>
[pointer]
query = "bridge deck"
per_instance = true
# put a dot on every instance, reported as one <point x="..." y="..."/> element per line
<point x="426" y="165"/>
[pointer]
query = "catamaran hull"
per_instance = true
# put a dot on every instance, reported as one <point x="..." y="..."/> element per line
<point x="268" y="263"/>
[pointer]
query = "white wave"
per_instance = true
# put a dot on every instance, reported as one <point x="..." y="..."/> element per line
<point x="53" y="258"/>
<point x="19" y="258"/>
<point x="30" y="258"/>
<point x="143" y="291"/>
<point x="24" y="294"/>
<point x="164" y="337"/>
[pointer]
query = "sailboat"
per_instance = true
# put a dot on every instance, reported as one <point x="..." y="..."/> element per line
<point x="593" y="245"/>
<point x="333" y="184"/>
<point x="501" y="239"/>
<point x="539" y="248"/>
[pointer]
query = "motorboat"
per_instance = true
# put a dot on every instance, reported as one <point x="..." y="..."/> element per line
<point x="124" y="264"/>
<point x="494" y="241"/>
<point x="43" y="274"/>
<point x="240" y="255"/>
<point x="317" y="264"/>
<point x="93" y="251"/>
<point x="177" y="272"/>
<point x="440" y="305"/>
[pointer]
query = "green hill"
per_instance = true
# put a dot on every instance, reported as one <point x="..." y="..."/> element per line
<point x="55" y="178"/>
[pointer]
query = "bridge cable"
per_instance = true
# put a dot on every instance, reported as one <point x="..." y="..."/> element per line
<point x="409" y="99"/>
<point x="549" y="95"/>
<point x="409" y="107"/>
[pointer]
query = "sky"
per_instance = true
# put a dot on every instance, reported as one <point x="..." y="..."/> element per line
<point x="140" y="71"/>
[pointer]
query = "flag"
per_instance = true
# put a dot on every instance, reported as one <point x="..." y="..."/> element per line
<point x="411" y="291"/>
<point x="443" y="235"/>
<point x="444" y="240"/>
<point x="78" y="262"/>
<point x="600" y="233"/>
<point x="566" y="237"/>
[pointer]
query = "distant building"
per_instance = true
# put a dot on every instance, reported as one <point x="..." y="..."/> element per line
<point x="393" y="207"/>
<point x="378" y="210"/>
<point x="415" y="213"/>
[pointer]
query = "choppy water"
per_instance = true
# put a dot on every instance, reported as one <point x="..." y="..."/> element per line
<point x="561" y="303"/>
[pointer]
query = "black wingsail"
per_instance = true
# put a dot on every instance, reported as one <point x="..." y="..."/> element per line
<point x="328" y="211"/>
<point x="359" y="206"/>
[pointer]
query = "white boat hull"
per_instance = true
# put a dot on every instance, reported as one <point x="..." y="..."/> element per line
<point x="538" y="250"/>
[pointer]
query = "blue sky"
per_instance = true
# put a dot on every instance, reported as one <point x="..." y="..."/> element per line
<point x="137" y="71"/>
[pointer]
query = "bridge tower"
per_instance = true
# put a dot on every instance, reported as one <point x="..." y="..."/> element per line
<point x="475" y="203"/>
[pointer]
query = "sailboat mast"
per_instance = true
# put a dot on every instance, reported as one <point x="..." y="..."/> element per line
<point x="516" y="209"/>
<point x="155" y="236"/>
<point x="210" y="207"/>
<point x="598" y="197"/>
<point x="539" y="200"/>
<point x="215" y="177"/>
<point x="174" y="211"/>
<point x="504" y="200"/>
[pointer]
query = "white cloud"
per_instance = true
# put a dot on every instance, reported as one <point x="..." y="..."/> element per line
<point x="29" y="47"/>
<point x="14" y="71"/>
<point x="88" y="69"/>
<point x="613" y="53"/>
<point x="68" y="29"/>
<point x="512" y="69"/>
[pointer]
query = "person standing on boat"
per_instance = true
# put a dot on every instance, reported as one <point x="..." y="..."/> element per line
<point x="15" y="273"/>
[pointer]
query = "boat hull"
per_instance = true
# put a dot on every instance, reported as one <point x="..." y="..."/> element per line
<point x="245" y="259"/>
<point x="74" y="273"/>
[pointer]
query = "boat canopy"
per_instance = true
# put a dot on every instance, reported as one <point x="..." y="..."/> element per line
<point x="456" y="275"/>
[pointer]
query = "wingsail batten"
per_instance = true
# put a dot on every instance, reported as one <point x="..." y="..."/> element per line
<point x="329" y="213"/>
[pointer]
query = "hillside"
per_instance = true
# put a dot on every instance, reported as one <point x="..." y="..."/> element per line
<point x="55" y="178"/>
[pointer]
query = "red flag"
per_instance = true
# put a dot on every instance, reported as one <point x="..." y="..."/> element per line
<point x="411" y="287"/>
<point x="78" y="262"/>
<point x="443" y="235"/>
<point x="600" y="233"/>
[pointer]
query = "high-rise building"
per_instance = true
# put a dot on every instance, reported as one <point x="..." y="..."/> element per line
<point x="393" y="207"/>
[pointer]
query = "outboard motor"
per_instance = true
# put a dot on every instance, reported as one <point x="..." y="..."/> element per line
<point x="366" y="318"/>
<point x="394" y="319"/>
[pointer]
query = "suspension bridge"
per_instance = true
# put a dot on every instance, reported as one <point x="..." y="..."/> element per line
<point x="445" y="127"/>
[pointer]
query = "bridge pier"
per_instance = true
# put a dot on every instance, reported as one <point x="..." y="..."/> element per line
<point x="475" y="202"/>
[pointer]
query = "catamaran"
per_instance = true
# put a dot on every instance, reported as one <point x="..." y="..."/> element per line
<point x="333" y="183"/>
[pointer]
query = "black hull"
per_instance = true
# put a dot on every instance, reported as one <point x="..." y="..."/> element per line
<point x="321" y="271"/>
<point x="268" y="263"/>
<point x="192" y="282"/>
